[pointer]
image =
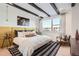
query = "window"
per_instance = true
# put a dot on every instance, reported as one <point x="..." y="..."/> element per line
<point x="56" y="24"/>
<point x="46" y="24"/>
<point x="51" y="24"/>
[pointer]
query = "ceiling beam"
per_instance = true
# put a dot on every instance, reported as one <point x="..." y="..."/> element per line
<point x="38" y="8"/>
<point x="23" y="9"/>
<point x="73" y="4"/>
<point x="55" y="8"/>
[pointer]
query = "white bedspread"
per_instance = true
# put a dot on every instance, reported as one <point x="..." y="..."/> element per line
<point x="27" y="45"/>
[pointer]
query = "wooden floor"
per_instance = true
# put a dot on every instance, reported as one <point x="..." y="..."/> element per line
<point x="4" y="52"/>
<point x="64" y="51"/>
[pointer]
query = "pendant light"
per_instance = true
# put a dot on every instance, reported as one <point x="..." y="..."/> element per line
<point x="7" y="13"/>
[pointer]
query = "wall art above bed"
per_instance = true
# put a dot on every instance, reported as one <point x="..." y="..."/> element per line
<point x="22" y="21"/>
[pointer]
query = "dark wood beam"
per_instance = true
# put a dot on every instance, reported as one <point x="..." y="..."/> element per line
<point x="55" y="8"/>
<point x="23" y="9"/>
<point x="73" y="4"/>
<point x="38" y="8"/>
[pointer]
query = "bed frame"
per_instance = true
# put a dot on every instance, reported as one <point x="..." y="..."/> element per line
<point x="16" y="31"/>
<point x="48" y="49"/>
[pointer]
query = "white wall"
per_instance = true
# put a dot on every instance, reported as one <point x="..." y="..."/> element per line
<point x="75" y="19"/>
<point x="72" y="21"/>
<point x="2" y="14"/>
<point x="63" y="24"/>
<point x="12" y="16"/>
<point x="68" y="28"/>
<point x="66" y="21"/>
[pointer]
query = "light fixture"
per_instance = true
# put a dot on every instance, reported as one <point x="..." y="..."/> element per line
<point x="7" y="13"/>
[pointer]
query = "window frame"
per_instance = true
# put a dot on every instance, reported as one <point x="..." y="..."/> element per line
<point x="52" y="28"/>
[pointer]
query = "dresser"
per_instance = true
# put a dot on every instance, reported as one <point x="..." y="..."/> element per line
<point x="74" y="47"/>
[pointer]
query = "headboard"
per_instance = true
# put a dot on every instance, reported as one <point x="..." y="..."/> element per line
<point x="16" y="31"/>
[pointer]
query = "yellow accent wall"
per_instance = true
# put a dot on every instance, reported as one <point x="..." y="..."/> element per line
<point x="7" y="29"/>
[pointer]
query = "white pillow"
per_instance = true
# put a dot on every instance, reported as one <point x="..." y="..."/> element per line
<point x="21" y="34"/>
<point x="30" y="34"/>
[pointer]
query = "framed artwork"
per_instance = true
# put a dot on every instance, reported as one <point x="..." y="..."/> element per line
<point x="22" y="21"/>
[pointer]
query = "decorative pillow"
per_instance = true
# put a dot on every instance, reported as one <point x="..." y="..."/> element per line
<point x="21" y="34"/>
<point x="30" y="34"/>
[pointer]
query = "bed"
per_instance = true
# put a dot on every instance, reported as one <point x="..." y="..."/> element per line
<point x="27" y="45"/>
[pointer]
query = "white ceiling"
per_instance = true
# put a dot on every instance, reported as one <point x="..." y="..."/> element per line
<point x="32" y="9"/>
<point x="47" y="7"/>
<point x="62" y="7"/>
